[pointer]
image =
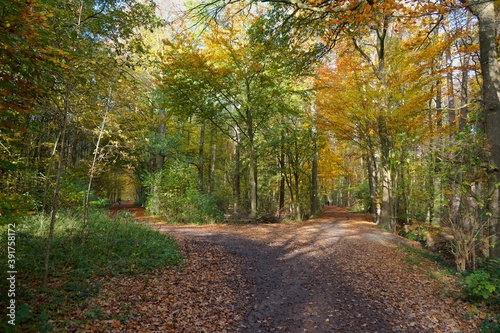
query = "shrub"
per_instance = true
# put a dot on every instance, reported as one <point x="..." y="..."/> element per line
<point x="484" y="284"/>
<point x="479" y="284"/>
<point x="175" y="195"/>
<point x="491" y="324"/>
<point x="362" y="194"/>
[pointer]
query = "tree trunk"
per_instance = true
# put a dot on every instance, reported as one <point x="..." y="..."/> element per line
<point x="201" y="151"/>
<point x="371" y="186"/>
<point x="159" y="156"/>
<point x="386" y="216"/>
<point x="56" y="191"/>
<point x="485" y="12"/>
<point x="434" y="184"/>
<point x="451" y="92"/>
<point x="213" y="160"/>
<point x="252" y="158"/>
<point x="314" y="166"/>
<point x="92" y="168"/>
<point x="297" y="210"/>
<point x="281" y="205"/>
<point x="253" y="178"/>
<point x="236" y="174"/>
<point x="464" y="96"/>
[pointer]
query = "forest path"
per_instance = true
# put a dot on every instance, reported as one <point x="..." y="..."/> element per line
<point x="337" y="273"/>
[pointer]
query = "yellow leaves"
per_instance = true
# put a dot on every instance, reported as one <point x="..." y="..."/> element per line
<point x="315" y="3"/>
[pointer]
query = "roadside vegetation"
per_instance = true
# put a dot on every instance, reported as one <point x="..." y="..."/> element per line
<point x="113" y="247"/>
<point x="479" y="289"/>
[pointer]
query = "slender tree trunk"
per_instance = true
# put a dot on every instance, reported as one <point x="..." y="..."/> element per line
<point x="451" y="92"/>
<point x="92" y="168"/>
<point x="371" y="185"/>
<point x="159" y="156"/>
<point x="201" y="152"/>
<point x="253" y="178"/>
<point x="281" y="205"/>
<point x="464" y="96"/>
<point x="434" y="207"/>
<point x="297" y="210"/>
<point x="439" y="104"/>
<point x="252" y="157"/>
<point x="213" y="160"/>
<point x="236" y="175"/>
<point x="282" y="170"/>
<point x="456" y="200"/>
<point x="56" y="190"/>
<point x="314" y="166"/>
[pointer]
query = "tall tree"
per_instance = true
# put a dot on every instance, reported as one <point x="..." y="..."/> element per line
<point x="347" y="15"/>
<point x="233" y="77"/>
<point x="388" y="119"/>
<point x="488" y="46"/>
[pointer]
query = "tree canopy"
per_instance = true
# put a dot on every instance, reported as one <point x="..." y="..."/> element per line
<point x="256" y="110"/>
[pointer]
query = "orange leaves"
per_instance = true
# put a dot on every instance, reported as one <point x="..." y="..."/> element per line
<point x="337" y="273"/>
<point x="200" y="297"/>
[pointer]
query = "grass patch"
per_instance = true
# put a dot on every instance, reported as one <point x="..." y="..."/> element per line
<point x="113" y="247"/>
<point x="416" y="256"/>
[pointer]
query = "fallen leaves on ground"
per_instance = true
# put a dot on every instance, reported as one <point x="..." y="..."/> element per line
<point x="335" y="274"/>
<point x="201" y="296"/>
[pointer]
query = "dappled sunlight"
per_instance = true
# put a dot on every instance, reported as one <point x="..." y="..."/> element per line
<point x="336" y="273"/>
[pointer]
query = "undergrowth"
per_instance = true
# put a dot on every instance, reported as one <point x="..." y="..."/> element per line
<point x="415" y="256"/>
<point x="480" y="287"/>
<point x="113" y="247"/>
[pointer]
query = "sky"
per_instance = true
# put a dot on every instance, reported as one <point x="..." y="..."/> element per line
<point x="169" y="8"/>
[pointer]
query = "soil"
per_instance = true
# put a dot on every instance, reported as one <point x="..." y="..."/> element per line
<point x="337" y="273"/>
<point x="127" y="206"/>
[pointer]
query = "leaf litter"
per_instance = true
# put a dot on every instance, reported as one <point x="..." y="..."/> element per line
<point x="339" y="273"/>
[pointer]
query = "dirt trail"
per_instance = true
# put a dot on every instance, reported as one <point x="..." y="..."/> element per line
<point x="339" y="273"/>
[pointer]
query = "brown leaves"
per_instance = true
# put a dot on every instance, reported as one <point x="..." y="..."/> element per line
<point x="200" y="297"/>
<point x="335" y="274"/>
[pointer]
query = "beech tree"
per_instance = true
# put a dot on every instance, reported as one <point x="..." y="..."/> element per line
<point x="488" y="46"/>
<point x="235" y="78"/>
<point x="386" y="121"/>
<point x="341" y="17"/>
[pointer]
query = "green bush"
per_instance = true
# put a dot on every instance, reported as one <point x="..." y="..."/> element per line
<point x="479" y="284"/>
<point x="491" y="324"/>
<point x="362" y="194"/>
<point x="418" y="234"/>
<point x="175" y="195"/>
<point x="484" y="284"/>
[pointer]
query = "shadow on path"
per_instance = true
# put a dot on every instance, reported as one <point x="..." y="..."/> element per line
<point x="315" y="276"/>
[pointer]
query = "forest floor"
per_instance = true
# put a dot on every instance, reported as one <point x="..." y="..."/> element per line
<point x="337" y="273"/>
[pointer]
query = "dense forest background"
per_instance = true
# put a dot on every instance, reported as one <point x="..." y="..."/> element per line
<point x="256" y="110"/>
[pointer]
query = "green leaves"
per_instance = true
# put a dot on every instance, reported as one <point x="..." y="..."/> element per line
<point x="176" y="196"/>
<point x="480" y="284"/>
<point x="60" y="58"/>
<point x="12" y="207"/>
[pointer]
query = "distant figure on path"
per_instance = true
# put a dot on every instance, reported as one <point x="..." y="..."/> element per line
<point x="119" y="200"/>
